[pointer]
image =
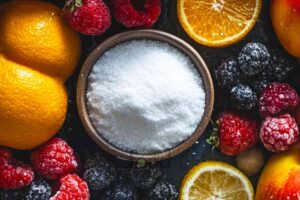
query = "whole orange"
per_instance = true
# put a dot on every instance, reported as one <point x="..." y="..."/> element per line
<point x="35" y="34"/>
<point x="280" y="179"/>
<point x="38" y="52"/>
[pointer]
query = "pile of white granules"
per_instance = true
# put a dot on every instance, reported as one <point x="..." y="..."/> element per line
<point x="145" y="96"/>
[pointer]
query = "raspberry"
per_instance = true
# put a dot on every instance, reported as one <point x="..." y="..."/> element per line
<point x="276" y="98"/>
<point x="253" y="58"/>
<point x="228" y="74"/>
<point x="54" y="159"/>
<point x="125" y="13"/>
<point x="278" y="133"/>
<point x="145" y="177"/>
<point x="37" y="190"/>
<point x="162" y="191"/>
<point x="99" y="173"/>
<point x="72" y="187"/>
<point x="236" y="133"/>
<point x="120" y="192"/>
<point x="14" y="174"/>
<point x="243" y="97"/>
<point x="89" y="17"/>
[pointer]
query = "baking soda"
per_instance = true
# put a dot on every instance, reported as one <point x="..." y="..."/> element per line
<point x="145" y="96"/>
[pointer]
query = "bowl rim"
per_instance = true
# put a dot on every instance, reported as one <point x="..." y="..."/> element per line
<point x="151" y="35"/>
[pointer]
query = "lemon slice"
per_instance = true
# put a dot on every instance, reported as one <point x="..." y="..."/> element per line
<point x="213" y="180"/>
<point x="218" y="23"/>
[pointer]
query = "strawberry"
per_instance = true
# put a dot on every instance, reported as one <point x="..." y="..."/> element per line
<point x="89" y="17"/>
<point x="235" y="133"/>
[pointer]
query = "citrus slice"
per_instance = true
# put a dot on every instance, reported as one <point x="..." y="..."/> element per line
<point x="218" y="23"/>
<point x="213" y="180"/>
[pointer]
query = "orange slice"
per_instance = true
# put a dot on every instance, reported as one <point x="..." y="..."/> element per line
<point x="218" y="23"/>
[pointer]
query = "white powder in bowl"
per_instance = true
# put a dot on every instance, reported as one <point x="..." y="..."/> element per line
<point x="145" y="96"/>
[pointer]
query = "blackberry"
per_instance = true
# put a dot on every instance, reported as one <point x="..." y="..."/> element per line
<point x="258" y="84"/>
<point x="124" y="174"/>
<point x="228" y="73"/>
<point x="253" y="58"/>
<point x="38" y="190"/>
<point x="281" y="64"/>
<point x="243" y="97"/>
<point x="99" y="173"/>
<point x="162" y="191"/>
<point x="11" y="194"/>
<point x="120" y="191"/>
<point x="145" y="177"/>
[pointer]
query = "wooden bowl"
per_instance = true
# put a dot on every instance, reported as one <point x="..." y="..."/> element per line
<point x="153" y="35"/>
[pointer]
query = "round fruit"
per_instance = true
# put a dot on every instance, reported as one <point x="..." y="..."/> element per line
<point x="34" y="34"/>
<point x="250" y="162"/>
<point x="218" y="23"/>
<point x="280" y="178"/>
<point x="286" y="24"/>
<point x="38" y="52"/>
<point x="215" y="180"/>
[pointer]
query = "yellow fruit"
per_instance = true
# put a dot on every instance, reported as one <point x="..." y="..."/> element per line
<point x="38" y="52"/>
<point x="218" y="23"/>
<point x="215" y="180"/>
<point x="34" y="33"/>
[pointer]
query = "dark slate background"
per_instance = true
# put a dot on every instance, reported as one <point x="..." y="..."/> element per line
<point x="178" y="166"/>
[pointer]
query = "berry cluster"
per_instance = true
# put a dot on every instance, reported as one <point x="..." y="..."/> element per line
<point x="93" y="17"/>
<point x="279" y="130"/>
<point x="246" y="77"/>
<point x="55" y="161"/>
<point x="126" y="184"/>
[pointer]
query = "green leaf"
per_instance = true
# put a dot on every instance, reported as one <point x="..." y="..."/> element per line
<point x="78" y="3"/>
<point x="141" y="163"/>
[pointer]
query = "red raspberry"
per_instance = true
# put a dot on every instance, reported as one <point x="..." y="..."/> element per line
<point x="72" y="187"/>
<point x="236" y="133"/>
<point x="125" y="13"/>
<point x="278" y="133"/>
<point x="54" y="159"/>
<point x="276" y="98"/>
<point x="89" y="17"/>
<point x="14" y="174"/>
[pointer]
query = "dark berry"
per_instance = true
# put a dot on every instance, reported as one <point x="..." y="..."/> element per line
<point x="37" y="190"/>
<point x="145" y="177"/>
<point x="281" y="64"/>
<point x="259" y="83"/>
<point x="162" y="191"/>
<point x="54" y="159"/>
<point x="124" y="174"/>
<point x="120" y="192"/>
<point x="243" y="97"/>
<point x="126" y="14"/>
<point x="99" y="173"/>
<point x="11" y="194"/>
<point x="13" y="174"/>
<point x="72" y="187"/>
<point x="253" y="58"/>
<point x="228" y="73"/>
<point x="276" y="98"/>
